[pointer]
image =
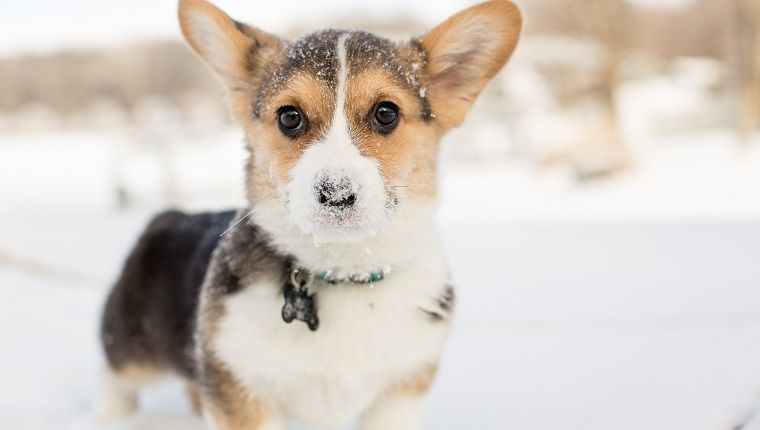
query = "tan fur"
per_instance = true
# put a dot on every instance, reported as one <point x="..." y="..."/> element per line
<point x="226" y="46"/>
<point x="226" y="53"/>
<point x="408" y="155"/>
<point x="414" y="387"/>
<point x="194" y="396"/>
<point x="138" y="375"/>
<point x="268" y="52"/>
<point x="232" y="407"/>
<point x="465" y="52"/>
<point x="316" y="100"/>
<point x="417" y="384"/>
<point x="227" y="404"/>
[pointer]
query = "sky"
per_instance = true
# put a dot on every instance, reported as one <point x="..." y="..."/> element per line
<point x="43" y="25"/>
<point x="48" y="25"/>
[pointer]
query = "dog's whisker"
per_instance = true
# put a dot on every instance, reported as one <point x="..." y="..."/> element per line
<point x="259" y="206"/>
<point x="237" y="222"/>
<point x="250" y="214"/>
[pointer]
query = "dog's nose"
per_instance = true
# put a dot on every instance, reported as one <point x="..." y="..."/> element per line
<point x="335" y="191"/>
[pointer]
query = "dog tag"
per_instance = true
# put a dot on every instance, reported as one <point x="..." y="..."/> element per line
<point x="299" y="304"/>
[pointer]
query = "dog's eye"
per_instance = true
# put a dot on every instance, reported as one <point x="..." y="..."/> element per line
<point x="385" y="117"/>
<point x="291" y="120"/>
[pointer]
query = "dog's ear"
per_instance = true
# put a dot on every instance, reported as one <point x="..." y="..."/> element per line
<point x="228" y="46"/>
<point x="465" y="52"/>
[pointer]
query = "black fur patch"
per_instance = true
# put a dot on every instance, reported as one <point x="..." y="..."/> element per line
<point x="242" y="257"/>
<point x="444" y="304"/>
<point x="151" y="312"/>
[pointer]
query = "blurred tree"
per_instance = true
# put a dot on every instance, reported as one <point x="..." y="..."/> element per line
<point x="607" y="22"/>
<point x="699" y="29"/>
<point x="69" y="82"/>
<point x="747" y="66"/>
<point x="609" y="25"/>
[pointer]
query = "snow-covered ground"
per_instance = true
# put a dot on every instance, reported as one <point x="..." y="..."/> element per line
<point x="632" y="303"/>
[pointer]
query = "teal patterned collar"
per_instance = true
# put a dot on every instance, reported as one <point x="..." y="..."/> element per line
<point x="356" y="278"/>
<point x="300" y="276"/>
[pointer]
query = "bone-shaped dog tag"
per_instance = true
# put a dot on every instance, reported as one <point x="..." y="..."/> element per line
<point x="299" y="304"/>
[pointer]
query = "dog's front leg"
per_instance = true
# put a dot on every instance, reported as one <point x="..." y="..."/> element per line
<point x="401" y="407"/>
<point x="227" y="405"/>
<point x="396" y="410"/>
<point x="244" y="414"/>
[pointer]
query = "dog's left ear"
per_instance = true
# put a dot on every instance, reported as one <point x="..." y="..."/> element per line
<point x="465" y="52"/>
<point x="232" y="49"/>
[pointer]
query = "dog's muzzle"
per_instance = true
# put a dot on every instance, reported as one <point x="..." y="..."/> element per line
<point x="336" y="189"/>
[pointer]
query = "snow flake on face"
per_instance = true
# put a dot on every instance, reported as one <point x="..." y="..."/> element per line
<point x="402" y="60"/>
<point x="315" y="54"/>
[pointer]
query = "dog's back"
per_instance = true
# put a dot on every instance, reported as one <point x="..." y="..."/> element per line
<point x="149" y="316"/>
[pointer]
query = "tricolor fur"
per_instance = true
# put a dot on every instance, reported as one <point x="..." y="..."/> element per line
<point x="343" y="130"/>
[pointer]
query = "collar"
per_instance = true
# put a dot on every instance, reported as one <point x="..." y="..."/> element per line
<point x="354" y="278"/>
<point x="301" y="276"/>
<point x="300" y="294"/>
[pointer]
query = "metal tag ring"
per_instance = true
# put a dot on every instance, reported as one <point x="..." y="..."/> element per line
<point x="301" y="278"/>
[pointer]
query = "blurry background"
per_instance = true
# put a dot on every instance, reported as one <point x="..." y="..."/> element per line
<point x="601" y="204"/>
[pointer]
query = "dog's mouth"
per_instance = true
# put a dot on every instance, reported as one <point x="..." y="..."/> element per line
<point x="336" y="194"/>
<point x="349" y="212"/>
<point x="346" y="216"/>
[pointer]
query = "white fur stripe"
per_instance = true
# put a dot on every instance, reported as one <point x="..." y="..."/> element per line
<point x="339" y="122"/>
<point x="336" y="155"/>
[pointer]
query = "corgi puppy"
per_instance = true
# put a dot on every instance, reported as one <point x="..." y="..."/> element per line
<point x="328" y="300"/>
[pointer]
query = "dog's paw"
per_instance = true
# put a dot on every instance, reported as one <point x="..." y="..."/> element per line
<point x="114" y="406"/>
<point x="115" y="400"/>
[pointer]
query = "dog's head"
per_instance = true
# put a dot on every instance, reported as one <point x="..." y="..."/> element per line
<point x="343" y="126"/>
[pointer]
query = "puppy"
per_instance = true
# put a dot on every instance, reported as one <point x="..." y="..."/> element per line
<point x="328" y="300"/>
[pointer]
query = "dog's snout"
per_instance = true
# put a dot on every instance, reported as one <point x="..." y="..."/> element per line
<point x="335" y="190"/>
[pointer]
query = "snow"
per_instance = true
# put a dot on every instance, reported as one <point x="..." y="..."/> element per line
<point x="632" y="303"/>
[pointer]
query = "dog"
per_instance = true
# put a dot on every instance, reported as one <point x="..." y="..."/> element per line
<point x="328" y="300"/>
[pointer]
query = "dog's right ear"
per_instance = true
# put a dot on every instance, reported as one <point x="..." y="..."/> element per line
<point x="228" y="46"/>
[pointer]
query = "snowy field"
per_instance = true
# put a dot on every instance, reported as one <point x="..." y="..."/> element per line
<point x="632" y="303"/>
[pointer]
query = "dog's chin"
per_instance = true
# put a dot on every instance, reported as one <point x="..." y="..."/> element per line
<point x="339" y="226"/>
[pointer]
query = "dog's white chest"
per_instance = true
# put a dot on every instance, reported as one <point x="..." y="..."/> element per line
<point x="368" y="339"/>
